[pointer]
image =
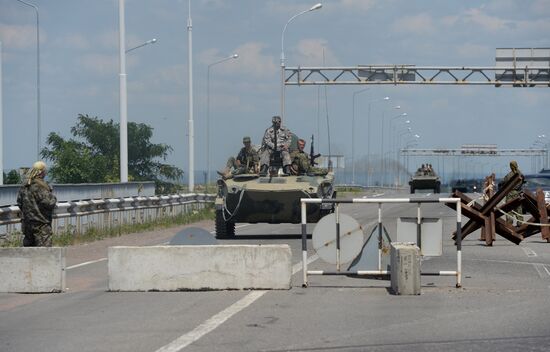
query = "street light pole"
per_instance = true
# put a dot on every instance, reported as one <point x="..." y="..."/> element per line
<point x="353" y="134"/>
<point x="313" y="8"/>
<point x="234" y="56"/>
<point x="382" y="159"/>
<point x="151" y="41"/>
<point x="1" y="124"/>
<point x="411" y="143"/>
<point x="38" y="119"/>
<point x="545" y="160"/>
<point x="368" y="137"/>
<point x="191" y="127"/>
<point x="392" y="141"/>
<point x="123" y="103"/>
<point x="123" y="92"/>
<point x="408" y="130"/>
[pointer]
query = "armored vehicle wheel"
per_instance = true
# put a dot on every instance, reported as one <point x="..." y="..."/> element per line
<point x="224" y="229"/>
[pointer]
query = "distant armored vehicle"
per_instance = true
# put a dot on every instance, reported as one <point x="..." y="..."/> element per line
<point x="425" y="178"/>
<point x="272" y="199"/>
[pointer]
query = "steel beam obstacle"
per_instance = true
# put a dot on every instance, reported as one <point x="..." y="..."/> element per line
<point x="488" y="217"/>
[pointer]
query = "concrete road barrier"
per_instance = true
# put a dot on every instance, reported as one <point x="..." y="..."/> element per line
<point x="213" y="267"/>
<point x="405" y="268"/>
<point x="32" y="269"/>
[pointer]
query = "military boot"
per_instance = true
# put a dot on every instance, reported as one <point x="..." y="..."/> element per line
<point x="225" y="173"/>
<point x="263" y="170"/>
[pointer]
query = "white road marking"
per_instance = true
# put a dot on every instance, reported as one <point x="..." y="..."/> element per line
<point x="85" y="263"/>
<point x="298" y="266"/>
<point x="212" y="323"/>
<point x="529" y="252"/>
<point x="504" y="261"/>
<point x="185" y="340"/>
<point x="542" y="271"/>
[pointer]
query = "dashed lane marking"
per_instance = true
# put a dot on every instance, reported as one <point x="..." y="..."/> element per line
<point x="542" y="270"/>
<point x="529" y="252"/>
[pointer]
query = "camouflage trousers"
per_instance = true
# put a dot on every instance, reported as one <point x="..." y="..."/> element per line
<point x="517" y="211"/>
<point x="235" y="169"/>
<point x="265" y="156"/>
<point x="36" y="234"/>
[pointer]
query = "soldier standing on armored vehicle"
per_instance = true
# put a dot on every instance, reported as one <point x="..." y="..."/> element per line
<point x="246" y="161"/>
<point x="276" y="138"/>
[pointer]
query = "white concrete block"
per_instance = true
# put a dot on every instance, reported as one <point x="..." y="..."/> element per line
<point x="213" y="267"/>
<point x="405" y="268"/>
<point x="32" y="269"/>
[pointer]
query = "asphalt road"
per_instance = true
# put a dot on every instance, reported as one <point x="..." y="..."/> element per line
<point x="504" y="304"/>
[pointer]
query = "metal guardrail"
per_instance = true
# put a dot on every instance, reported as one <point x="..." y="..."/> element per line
<point x="75" y="192"/>
<point x="103" y="214"/>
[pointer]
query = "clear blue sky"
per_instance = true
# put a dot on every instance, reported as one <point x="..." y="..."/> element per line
<point x="79" y="70"/>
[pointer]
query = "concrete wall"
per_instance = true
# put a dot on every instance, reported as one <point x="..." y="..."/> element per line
<point x="173" y="268"/>
<point x="32" y="270"/>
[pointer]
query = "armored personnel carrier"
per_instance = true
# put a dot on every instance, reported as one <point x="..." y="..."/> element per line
<point x="425" y="178"/>
<point x="272" y="199"/>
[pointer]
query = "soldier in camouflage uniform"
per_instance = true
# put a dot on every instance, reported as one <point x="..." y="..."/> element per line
<point x="514" y="169"/>
<point x="36" y="202"/>
<point x="245" y="163"/>
<point x="300" y="159"/>
<point x="269" y="145"/>
<point x="301" y="163"/>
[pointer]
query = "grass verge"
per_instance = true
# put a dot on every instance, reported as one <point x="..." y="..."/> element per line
<point x="70" y="237"/>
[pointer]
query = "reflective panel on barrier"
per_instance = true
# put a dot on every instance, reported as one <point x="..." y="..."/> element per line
<point x="324" y="238"/>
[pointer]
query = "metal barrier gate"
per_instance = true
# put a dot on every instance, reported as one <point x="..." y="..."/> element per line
<point x="305" y="201"/>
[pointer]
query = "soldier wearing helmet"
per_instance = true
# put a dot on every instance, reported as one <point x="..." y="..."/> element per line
<point x="245" y="163"/>
<point x="36" y="202"/>
<point x="276" y="138"/>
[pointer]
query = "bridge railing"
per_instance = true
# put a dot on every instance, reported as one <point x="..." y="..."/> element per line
<point x="104" y="214"/>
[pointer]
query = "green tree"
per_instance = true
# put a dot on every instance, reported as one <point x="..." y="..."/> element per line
<point x="12" y="178"/>
<point x="93" y="154"/>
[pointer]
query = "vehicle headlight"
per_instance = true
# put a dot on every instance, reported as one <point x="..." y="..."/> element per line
<point x="222" y="188"/>
<point x="324" y="190"/>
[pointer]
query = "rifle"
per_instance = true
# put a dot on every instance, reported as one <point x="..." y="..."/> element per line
<point x="312" y="155"/>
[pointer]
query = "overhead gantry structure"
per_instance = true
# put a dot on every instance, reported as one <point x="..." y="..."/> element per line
<point x="516" y="67"/>
<point x="515" y="76"/>
<point x="473" y="152"/>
